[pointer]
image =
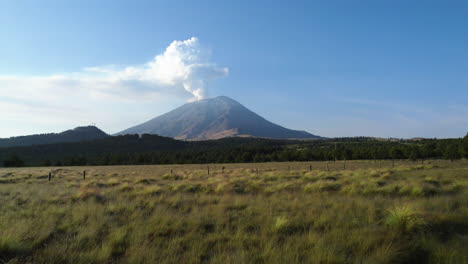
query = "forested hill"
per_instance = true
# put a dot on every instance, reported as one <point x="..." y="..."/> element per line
<point x="73" y="135"/>
<point x="153" y="149"/>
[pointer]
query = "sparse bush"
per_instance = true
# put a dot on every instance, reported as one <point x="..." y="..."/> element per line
<point x="90" y="193"/>
<point x="152" y="190"/>
<point x="117" y="242"/>
<point x="405" y="219"/>
<point x="239" y="187"/>
<point x="173" y="177"/>
<point x="125" y="187"/>
<point x="220" y="188"/>
<point x="281" y="222"/>
<point x="322" y="186"/>
<point x="144" y="181"/>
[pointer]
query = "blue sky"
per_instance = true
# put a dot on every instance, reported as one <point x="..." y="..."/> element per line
<point x="333" y="68"/>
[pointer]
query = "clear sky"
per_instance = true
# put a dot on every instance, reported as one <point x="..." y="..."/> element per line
<point x="333" y="68"/>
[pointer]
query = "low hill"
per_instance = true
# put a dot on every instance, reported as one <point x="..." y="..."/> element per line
<point x="84" y="133"/>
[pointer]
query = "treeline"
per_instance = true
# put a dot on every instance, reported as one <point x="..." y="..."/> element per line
<point x="152" y="149"/>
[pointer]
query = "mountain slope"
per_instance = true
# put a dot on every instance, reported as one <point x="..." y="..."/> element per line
<point x="212" y="119"/>
<point x="78" y="134"/>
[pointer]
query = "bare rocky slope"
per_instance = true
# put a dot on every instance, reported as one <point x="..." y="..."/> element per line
<point x="213" y="119"/>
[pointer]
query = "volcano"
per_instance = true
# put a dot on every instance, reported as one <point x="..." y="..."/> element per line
<point x="213" y="119"/>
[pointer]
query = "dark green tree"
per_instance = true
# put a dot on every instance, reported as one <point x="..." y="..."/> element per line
<point x="396" y="153"/>
<point x="464" y="146"/>
<point x="13" y="161"/>
<point x="414" y="153"/>
<point x="451" y="152"/>
<point x="428" y="149"/>
<point x="46" y="163"/>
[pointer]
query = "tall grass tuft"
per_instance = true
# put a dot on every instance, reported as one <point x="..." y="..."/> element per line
<point x="405" y="218"/>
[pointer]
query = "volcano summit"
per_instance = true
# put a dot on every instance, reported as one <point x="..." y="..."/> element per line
<point x="213" y="119"/>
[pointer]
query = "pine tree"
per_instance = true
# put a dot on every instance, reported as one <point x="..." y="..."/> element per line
<point x="451" y="152"/>
<point x="464" y="146"/>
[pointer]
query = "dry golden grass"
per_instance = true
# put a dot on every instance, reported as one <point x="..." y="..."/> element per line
<point x="369" y="212"/>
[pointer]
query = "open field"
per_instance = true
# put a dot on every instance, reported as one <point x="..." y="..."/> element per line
<point x="370" y="212"/>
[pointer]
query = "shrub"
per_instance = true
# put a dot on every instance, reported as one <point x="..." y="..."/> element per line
<point x="239" y="187"/>
<point x="144" y="181"/>
<point x="405" y="219"/>
<point x="220" y="188"/>
<point x="13" y="161"/>
<point x="125" y="187"/>
<point x="281" y="222"/>
<point x="329" y="186"/>
<point x="173" y="177"/>
<point x="90" y="193"/>
<point x="113" y="182"/>
<point x="117" y="242"/>
<point x="152" y="190"/>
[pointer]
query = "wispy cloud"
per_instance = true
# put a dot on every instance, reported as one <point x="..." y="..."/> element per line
<point x="184" y="67"/>
<point x="183" y="70"/>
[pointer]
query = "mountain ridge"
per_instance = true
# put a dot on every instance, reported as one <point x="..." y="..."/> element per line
<point x="78" y="134"/>
<point x="214" y="118"/>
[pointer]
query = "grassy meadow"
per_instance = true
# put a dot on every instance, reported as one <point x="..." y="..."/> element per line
<point x="310" y="212"/>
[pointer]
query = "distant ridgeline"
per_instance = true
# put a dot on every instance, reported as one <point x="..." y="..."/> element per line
<point x="73" y="135"/>
<point x="153" y="149"/>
